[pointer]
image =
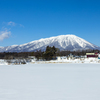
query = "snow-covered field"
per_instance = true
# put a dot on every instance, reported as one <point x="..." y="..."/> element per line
<point x="50" y="82"/>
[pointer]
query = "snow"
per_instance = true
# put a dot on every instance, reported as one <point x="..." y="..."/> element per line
<point x="63" y="42"/>
<point x="62" y="59"/>
<point x="80" y="60"/>
<point x="50" y="82"/>
<point x="3" y="62"/>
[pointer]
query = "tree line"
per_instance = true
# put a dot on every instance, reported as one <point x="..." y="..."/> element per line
<point x="49" y="54"/>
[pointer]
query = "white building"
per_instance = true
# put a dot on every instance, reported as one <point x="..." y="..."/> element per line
<point x="58" y="58"/>
<point x="98" y="56"/>
<point x="61" y="58"/>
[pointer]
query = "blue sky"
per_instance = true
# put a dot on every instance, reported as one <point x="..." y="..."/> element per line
<point x="23" y="21"/>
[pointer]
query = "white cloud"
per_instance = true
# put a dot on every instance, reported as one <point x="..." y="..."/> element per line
<point x="4" y="34"/>
<point x="21" y="25"/>
<point x="11" y="23"/>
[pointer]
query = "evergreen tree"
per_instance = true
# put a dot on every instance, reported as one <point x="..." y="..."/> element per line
<point x="50" y="53"/>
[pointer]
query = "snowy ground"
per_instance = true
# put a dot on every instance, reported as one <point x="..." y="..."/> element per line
<point x="50" y="82"/>
<point x="82" y="60"/>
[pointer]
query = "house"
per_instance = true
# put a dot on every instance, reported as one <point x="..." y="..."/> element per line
<point x="93" y="55"/>
<point x="61" y="58"/>
<point x="33" y="58"/>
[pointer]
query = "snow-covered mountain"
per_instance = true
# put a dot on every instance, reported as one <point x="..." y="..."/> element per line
<point x="63" y="42"/>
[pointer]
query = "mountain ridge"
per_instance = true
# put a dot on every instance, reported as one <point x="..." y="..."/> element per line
<point x="63" y="42"/>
